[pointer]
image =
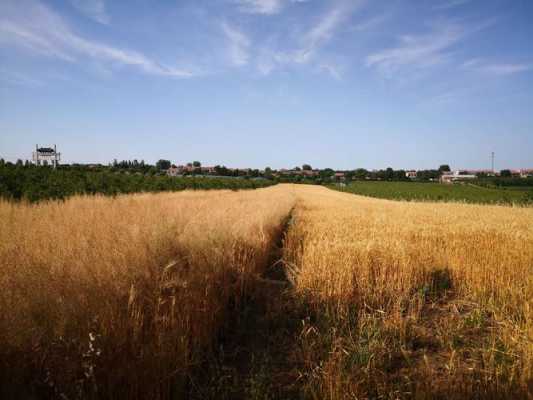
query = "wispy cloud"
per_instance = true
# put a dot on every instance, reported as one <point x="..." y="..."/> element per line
<point x="370" y="23"/>
<point x="326" y="27"/>
<point x="450" y="4"/>
<point x="94" y="9"/>
<point x="333" y="70"/>
<point x="309" y="44"/>
<point x="238" y="44"/>
<point x="424" y="50"/>
<point x="507" y="69"/>
<point x="499" y="69"/>
<point x="36" y="28"/>
<point x="266" y="7"/>
<point x="18" y="79"/>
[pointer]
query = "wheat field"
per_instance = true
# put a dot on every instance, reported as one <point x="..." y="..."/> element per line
<point x="116" y="298"/>
<point x="413" y="300"/>
<point x="127" y="297"/>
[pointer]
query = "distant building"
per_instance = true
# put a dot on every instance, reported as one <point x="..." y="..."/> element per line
<point x="410" y="174"/>
<point x="174" y="171"/>
<point x="43" y="156"/>
<point x="310" y="173"/>
<point x="181" y="169"/>
<point x="486" y="172"/>
<point x="526" y="173"/>
<point x="208" y="170"/>
<point x="457" y="176"/>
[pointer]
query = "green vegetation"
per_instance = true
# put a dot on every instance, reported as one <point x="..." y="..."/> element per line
<point x="437" y="192"/>
<point x="506" y="183"/>
<point x="19" y="182"/>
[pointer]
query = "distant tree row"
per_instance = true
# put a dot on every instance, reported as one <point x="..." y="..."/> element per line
<point x="31" y="183"/>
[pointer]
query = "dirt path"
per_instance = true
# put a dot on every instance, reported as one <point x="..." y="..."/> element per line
<point x="257" y="355"/>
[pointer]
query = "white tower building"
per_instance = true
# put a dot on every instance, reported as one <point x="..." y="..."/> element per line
<point x="46" y="156"/>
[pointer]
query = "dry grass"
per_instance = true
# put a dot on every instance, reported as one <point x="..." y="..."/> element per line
<point x="126" y="297"/>
<point x="412" y="300"/>
<point x="121" y="297"/>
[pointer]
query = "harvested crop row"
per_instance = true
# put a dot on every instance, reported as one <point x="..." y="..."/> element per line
<point x="412" y="299"/>
<point x="121" y="297"/>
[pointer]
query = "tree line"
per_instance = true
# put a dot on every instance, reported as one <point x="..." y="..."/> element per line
<point x="31" y="183"/>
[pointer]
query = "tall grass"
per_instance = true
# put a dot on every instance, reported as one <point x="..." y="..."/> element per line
<point x="412" y="300"/>
<point x="122" y="298"/>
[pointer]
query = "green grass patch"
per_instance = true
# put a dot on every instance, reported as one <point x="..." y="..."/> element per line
<point x="416" y="191"/>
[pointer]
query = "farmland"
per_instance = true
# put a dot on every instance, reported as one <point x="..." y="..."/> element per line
<point x="290" y="291"/>
<point x="418" y="191"/>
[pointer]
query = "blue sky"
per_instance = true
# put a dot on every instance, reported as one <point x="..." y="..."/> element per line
<point x="338" y="83"/>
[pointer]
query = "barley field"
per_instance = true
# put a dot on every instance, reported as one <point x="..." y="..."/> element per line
<point x="290" y="291"/>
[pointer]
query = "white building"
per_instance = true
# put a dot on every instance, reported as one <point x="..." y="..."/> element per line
<point x="410" y="174"/>
<point x="174" y="171"/>
<point x="457" y="176"/>
<point x="46" y="156"/>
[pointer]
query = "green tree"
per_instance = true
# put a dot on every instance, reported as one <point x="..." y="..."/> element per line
<point x="196" y="164"/>
<point x="306" y="167"/>
<point x="163" y="164"/>
<point x="361" y="173"/>
<point x="505" y="173"/>
<point x="444" y="168"/>
<point x="327" y="172"/>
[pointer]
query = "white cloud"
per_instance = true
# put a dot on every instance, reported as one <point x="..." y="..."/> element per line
<point x="94" y="9"/>
<point x="370" y="23"/>
<point x="266" y="7"/>
<point x="333" y="70"/>
<point x="424" y="50"/>
<point x="450" y="4"/>
<point x="500" y="69"/>
<point x="417" y="51"/>
<point x="32" y="38"/>
<point x="507" y="69"/>
<point x="324" y="30"/>
<point x="238" y="46"/>
<point x="311" y="41"/>
<point x="36" y="28"/>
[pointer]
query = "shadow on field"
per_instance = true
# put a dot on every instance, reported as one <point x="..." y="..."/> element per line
<point x="255" y="355"/>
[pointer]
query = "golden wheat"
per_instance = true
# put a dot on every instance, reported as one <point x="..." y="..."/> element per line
<point x="117" y="297"/>
<point x="414" y="299"/>
<point x="125" y="297"/>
